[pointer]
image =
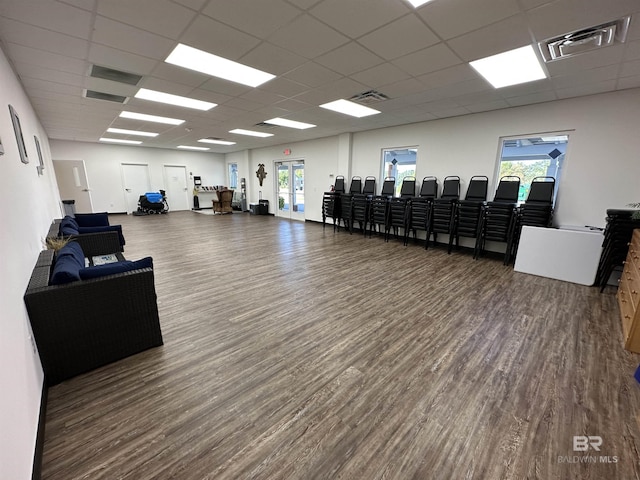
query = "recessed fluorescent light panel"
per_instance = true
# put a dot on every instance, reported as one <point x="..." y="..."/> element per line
<point x="510" y="68"/>
<point x="417" y="3"/>
<point x="170" y="99"/>
<point x="217" y="142"/>
<point x="132" y="132"/>
<point x="119" y="140"/>
<point x="283" y="122"/>
<point x="251" y="133"/>
<point x="151" y="118"/>
<point x="205" y="62"/>
<point x="188" y="147"/>
<point x="350" y="108"/>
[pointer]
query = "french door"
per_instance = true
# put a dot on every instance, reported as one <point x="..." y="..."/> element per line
<point x="290" y="190"/>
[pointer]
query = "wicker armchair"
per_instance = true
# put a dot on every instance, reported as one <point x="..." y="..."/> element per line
<point x="86" y="324"/>
<point x="223" y="203"/>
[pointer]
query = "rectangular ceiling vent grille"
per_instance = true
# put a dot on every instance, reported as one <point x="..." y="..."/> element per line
<point x="585" y="40"/>
<point x="114" y="75"/>
<point x="109" y="97"/>
<point x="369" y="97"/>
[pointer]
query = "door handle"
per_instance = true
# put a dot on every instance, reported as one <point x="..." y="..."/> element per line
<point x="85" y="189"/>
<point x="128" y="189"/>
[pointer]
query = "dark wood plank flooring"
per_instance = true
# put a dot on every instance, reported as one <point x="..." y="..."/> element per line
<point x="293" y="352"/>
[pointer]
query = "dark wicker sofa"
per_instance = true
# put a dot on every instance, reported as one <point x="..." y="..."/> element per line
<point x="89" y="323"/>
<point x="104" y="239"/>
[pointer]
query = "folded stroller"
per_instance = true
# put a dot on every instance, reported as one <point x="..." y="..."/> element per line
<point x="152" y="203"/>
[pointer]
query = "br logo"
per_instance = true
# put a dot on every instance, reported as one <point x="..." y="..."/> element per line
<point x="582" y="443"/>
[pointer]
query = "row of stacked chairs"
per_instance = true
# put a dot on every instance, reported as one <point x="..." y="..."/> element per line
<point x="500" y="220"/>
<point x="615" y="246"/>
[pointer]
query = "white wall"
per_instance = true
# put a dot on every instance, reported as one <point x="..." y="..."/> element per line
<point x="602" y="167"/>
<point x="104" y="172"/>
<point x="28" y="204"/>
<point x="320" y="163"/>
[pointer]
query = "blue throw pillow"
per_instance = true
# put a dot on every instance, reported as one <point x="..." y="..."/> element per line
<point x="114" y="268"/>
<point x="69" y="262"/>
<point x="68" y="230"/>
<point x="68" y="226"/>
<point x="92" y="219"/>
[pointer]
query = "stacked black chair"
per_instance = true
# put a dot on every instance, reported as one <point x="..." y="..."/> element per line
<point x="467" y="212"/>
<point x="339" y="184"/>
<point x="399" y="207"/>
<point x="346" y="203"/>
<point x="331" y="208"/>
<point x="361" y="203"/>
<point x="420" y="208"/>
<point x="497" y="217"/>
<point x="617" y="235"/>
<point x="443" y="210"/>
<point x="536" y="211"/>
<point x="380" y="208"/>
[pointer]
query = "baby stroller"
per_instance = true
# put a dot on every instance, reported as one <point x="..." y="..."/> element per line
<point x="152" y="202"/>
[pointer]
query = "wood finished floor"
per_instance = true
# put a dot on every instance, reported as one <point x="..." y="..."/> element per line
<point x="293" y="352"/>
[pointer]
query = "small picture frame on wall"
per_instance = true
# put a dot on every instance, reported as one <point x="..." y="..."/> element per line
<point x="39" y="167"/>
<point x="19" y="138"/>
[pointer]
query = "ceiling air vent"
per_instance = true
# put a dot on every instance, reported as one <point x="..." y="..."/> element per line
<point x="105" y="96"/>
<point x="114" y="75"/>
<point x="585" y="40"/>
<point x="266" y="125"/>
<point x="369" y="97"/>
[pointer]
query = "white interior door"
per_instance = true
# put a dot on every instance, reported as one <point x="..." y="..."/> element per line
<point x="73" y="184"/>
<point x="176" y="182"/>
<point x="135" y="178"/>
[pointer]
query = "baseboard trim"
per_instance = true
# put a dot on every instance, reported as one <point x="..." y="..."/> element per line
<point x="36" y="472"/>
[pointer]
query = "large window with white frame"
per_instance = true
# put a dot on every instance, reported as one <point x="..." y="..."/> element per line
<point x="531" y="156"/>
<point x="398" y="163"/>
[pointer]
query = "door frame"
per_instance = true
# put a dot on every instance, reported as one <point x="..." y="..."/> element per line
<point x="276" y="208"/>
<point x="124" y="188"/>
<point x="82" y="180"/>
<point x="186" y="180"/>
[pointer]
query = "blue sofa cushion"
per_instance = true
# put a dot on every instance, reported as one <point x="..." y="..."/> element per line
<point x="69" y="262"/>
<point x="114" y="268"/>
<point x="92" y="219"/>
<point x="109" y="228"/>
<point x="68" y="226"/>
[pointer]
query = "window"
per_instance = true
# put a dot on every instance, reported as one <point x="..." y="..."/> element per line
<point x="233" y="175"/>
<point x="398" y="163"/>
<point x="532" y="156"/>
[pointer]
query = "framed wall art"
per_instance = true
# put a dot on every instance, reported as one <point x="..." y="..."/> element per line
<point x="19" y="138"/>
<point x="39" y="167"/>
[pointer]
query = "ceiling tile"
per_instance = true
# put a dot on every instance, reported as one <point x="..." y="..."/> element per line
<point x="381" y="75"/>
<point x="217" y="38"/>
<point x="529" y="4"/>
<point x="585" y="77"/>
<point x="272" y="59"/>
<point x="262" y="96"/>
<point x="54" y="61"/>
<point x="243" y="104"/>
<point x="456" y="17"/>
<point x="632" y="52"/>
<point x="630" y="69"/>
<point x="456" y="74"/>
<point x="428" y="60"/>
<point x="403" y="87"/>
<point x="357" y="17"/>
<point x="127" y="38"/>
<point x="34" y="71"/>
<point x="343" y="88"/>
<point x="312" y="74"/>
<point x="84" y="4"/>
<point x="225" y="87"/>
<point x="175" y="74"/>
<point x="157" y="16"/>
<point x="304" y="4"/>
<point x="532" y="98"/>
<point x="590" y="89"/>
<point x="292" y="105"/>
<point x="312" y="38"/>
<point x="487" y="106"/>
<point x="260" y="19"/>
<point x="497" y="38"/>
<point x="125" y="61"/>
<point x="399" y="38"/>
<point x="54" y="16"/>
<point x="564" y="16"/>
<point x="629" y="82"/>
<point x="585" y="61"/>
<point x="283" y="87"/>
<point x="40" y="38"/>
<point x="349" y="58"/>
<point x="193" y="4"/>
<point x="161" y="85"/>
<point x="34" y="83"/>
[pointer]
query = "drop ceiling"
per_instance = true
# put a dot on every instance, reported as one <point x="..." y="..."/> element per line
<point x="319" y="50"/>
